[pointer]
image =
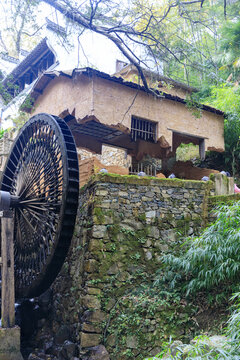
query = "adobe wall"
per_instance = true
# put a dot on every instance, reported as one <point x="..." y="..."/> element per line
<point x="124" y="225"/>
<point x="113" y="103"/>
<point x="64" y="93"/>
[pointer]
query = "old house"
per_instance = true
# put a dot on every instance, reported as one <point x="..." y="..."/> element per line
<point x="116" y="122"/>
<point x="120" y="124"/>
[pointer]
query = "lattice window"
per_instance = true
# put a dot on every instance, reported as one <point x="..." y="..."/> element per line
<point x="143" y="129"/>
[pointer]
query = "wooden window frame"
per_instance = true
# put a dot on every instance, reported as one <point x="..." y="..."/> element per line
<point x="143" y="129"/>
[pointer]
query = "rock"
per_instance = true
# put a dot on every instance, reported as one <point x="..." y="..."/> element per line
<point x="93" y="291"/>
<point x="91" y="328"/>
<point x="98" y="353"/>
<point x="69" y="350"/>
<point x="112" y="340"/>
<point x="63" y="334"/>
<point x="110" y="304"/>
<point x="132" y="342"/>
<point x="91" y="266"/>
<point x="37" y="355"/>
<point x="168" y="235"/>
<point x="148" y="255"/>
<point x="155" y="351"/>
<point x="154" y="232"/>
<point x="48" y="345"/>
<point x="113" y="270"/>
<point x="161" y="247"/>
<point x="54" y="350"/>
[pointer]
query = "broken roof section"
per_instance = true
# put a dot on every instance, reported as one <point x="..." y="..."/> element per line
<point x="91" y="126"/>
<point x="155" y="80"/>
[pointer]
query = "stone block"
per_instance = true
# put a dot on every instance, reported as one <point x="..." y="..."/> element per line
<point x="102" y="192"/>
<point x="91" y="328"/>
<point x="89" y="340"/>
<point x="91" y="265"/>
<point x="123" y="193"/>
<point x="148" y="254"/>
<point x="150" y="214"/>
<point x="95" y="245"/>
<point x="93" y="291"/>
<point x="113" y="269"/>
<point x="132" y="342"/>
<point x="10" y="344"/>
<point x="99" y="231"/>
<point x="132" y="224"/>
<point x="91" y="301"/>
<point x="99" y="353"/>
<point x="154" y="232"/>
<point x="96" y="316"/>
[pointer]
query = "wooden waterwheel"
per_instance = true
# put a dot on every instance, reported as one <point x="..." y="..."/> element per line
<point x="41" y="174"/>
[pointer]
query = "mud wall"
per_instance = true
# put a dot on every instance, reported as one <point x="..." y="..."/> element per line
<point x="113" y="103"/>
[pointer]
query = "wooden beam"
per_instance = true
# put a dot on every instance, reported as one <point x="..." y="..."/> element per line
<point x="8" y="291"/>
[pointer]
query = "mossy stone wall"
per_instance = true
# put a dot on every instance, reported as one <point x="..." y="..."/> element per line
<point x="124" y="225"/>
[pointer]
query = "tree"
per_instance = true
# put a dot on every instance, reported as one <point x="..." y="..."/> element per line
<point x="167" y="31"/>
<point x="18" y="24"/>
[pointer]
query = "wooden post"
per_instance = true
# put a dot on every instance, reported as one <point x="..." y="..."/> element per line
<point x="7" y="253"/>
<point x="202" y="149"/>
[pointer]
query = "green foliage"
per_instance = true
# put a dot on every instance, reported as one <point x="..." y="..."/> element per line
<point x="20" y="119"/>
<point x="137" y="312"/>
<point x="229" y="46"/>
<point x="2" y="133"/>
<point x="232" y="143"/>
<point x="210" y="261"/>
<point x="226" y="97"/>
<point x="201" y="349"/>
<point x="213" y="259"/>
<point x="187" y="152"/>
<point x="194" y="106"/>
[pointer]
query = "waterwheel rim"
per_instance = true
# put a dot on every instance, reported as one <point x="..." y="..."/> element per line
<point x="42" y="170"/>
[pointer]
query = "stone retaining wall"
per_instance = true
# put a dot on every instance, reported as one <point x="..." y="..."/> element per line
<point x="124" y="225"/>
